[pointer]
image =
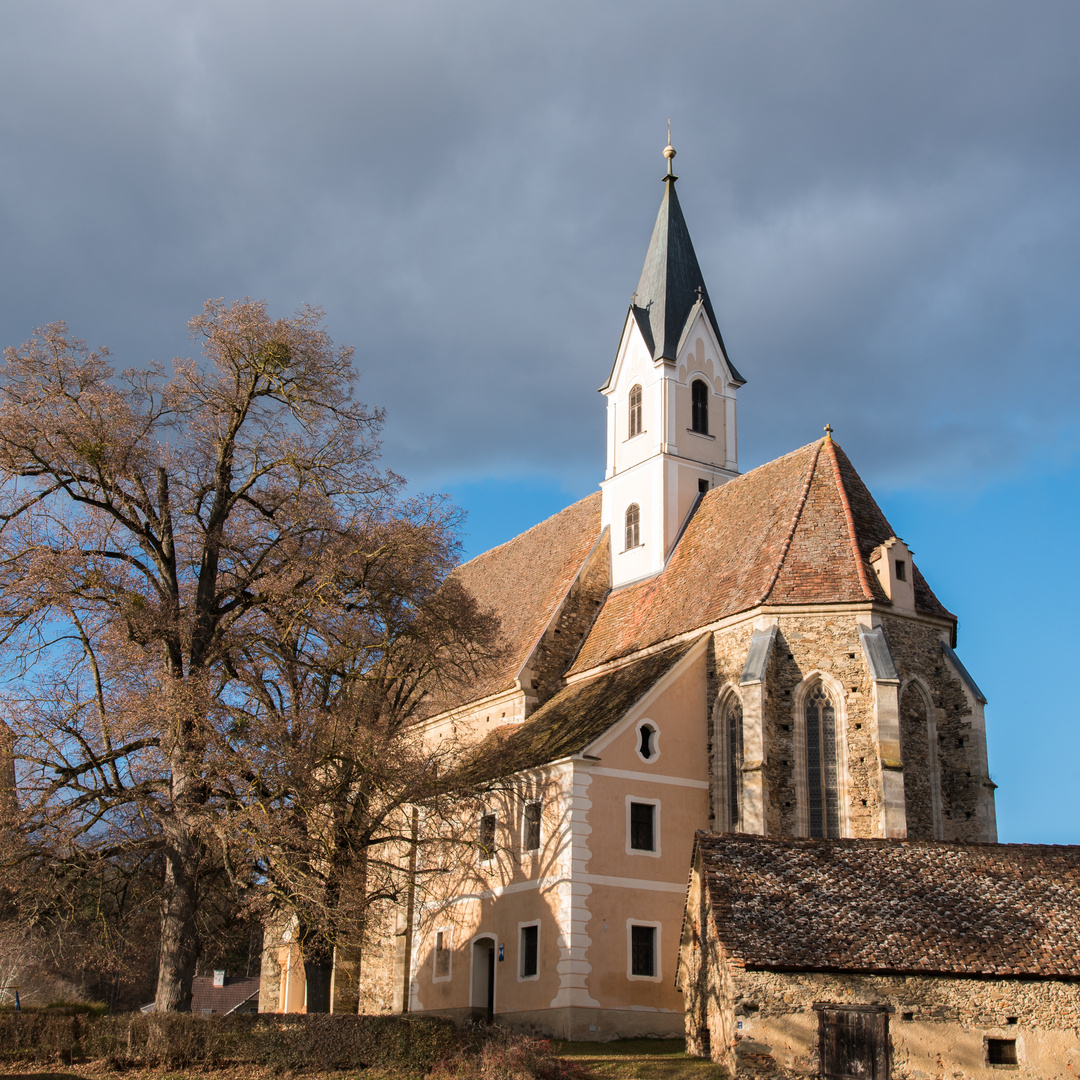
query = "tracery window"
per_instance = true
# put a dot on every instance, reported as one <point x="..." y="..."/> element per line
<point x="635" y="411"/>
<point x="822" y="779"/>
<point x="633" y="526"/>
<point x="733" y="760"/>
<point x="699" y="402"/>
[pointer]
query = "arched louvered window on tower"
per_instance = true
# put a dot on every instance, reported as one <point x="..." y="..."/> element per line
<point x="732" y="746"/>
<point x="635" y="427"/>
<point x="699" y="401"/>
<point x="822" y="763"/>
<point x="633" y="526"/>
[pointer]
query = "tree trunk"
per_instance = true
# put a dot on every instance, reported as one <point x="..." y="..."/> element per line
<point x="178" y="951"/>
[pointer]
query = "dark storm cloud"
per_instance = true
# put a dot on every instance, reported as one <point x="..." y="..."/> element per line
<point x="883" y="199"/>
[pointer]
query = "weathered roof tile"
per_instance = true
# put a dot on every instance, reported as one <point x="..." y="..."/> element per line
<point x="895" y="905"/>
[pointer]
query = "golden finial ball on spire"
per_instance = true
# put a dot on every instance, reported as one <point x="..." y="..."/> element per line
<point x="669" y="150"/>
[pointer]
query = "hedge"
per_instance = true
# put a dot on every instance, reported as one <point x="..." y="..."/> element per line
<point x="409" y="1043"/>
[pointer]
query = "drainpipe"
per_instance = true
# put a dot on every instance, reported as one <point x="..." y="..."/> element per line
<point x="410" y="905"/>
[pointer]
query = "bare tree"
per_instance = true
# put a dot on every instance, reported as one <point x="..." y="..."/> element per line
<point x="201" y="573"/>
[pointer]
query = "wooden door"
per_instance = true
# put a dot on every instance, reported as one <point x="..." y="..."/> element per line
<point x="853" y="1042"/>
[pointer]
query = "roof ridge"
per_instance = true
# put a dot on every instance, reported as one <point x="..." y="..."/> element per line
<point x="794" y="524"/>
<point x="531" y="528"/>
<point x="852" y="534"/>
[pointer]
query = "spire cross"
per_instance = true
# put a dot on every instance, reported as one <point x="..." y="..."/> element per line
<point x="828" y="431"/>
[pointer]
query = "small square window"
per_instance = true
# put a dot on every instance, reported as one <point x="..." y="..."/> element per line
<point x="702" y="486"/>
<point x="532" y="826"/>
<point x="1001" y="1052"/>
<point x="485" y="840"/>
<point x="643" y="951"/>
<point x="530" y="940"/>
<point x="642" y="826"/>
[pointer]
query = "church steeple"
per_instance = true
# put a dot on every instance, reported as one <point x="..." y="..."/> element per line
<point x="671" y="401"/>
<point x="671" y="283"/>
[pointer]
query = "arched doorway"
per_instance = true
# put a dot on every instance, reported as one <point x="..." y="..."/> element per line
<point x="483" y="978"/>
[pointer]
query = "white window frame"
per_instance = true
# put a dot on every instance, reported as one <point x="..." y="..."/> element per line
<point x="654" y="727"/>
<point x="525" y="849"/>
<point x="493" y="857"/>
<point x="655" y="853"/>
<point x="521" y="952"/>
<point x="448" y="932"/>
<point x="658" y="929"/>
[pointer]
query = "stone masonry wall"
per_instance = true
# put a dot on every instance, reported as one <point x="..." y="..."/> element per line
<point x="561" y="641"/>
<point x="916" y="650"/>
<point x="724" y="667"/>
<point x="938" y="1027"/>
<point x="830" y="643"/>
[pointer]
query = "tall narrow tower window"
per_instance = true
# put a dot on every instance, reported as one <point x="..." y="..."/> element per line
<point x="635" y="411"/>
<point x="699" y="400"/>
<point x="633" y="526"/>
<point x="822" y="785"/>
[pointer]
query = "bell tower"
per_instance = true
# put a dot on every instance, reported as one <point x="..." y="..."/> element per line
<point x="670" y="402"/>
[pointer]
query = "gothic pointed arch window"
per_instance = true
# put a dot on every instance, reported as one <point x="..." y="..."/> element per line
<point x="731" y="752"/>
<point x="918" y="751"/>
<point x="635" y="427"/>
<point x="699" y="402"/>
<point x="822" y="763"/>
<point x="633" y="526"/>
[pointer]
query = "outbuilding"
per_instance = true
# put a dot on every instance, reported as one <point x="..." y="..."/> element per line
<point x="882" y="958"/>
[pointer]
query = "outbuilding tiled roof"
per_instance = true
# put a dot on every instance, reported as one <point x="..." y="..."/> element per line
<point x="575" y="717"/>
<point x="895" y="906"/>
<point x="523" y="581"/>
<point x="798" y="530"/>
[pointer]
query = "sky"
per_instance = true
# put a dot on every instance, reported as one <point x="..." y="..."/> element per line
<point x="883" y="198"/>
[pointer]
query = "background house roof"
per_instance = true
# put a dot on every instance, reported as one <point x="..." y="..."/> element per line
<point x="888" y="905"/>
<point x="208" y="998"/>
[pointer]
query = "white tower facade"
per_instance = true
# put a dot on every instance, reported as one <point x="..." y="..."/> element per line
<point x="671" y="431"/>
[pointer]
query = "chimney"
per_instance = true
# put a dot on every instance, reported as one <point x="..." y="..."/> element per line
<point x="219" y="978"/>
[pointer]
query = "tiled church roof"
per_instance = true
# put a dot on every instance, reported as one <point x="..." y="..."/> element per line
<point x="798" y="530"/>
<point x="524" y="580"/>
<point x="895" y="906"/>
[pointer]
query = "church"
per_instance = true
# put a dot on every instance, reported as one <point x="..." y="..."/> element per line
<point x="690" y="648"/>
<point x="691" y="654"/>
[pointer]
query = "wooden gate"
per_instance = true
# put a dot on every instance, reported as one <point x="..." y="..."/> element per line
<point x="853" y="1041"/>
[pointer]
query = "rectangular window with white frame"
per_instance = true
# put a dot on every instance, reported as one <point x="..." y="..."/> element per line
<point x="442" y="964"/>
<point x="643" y="950"/>
<point x="528" y="951"/>
<point x="485" y="838"/>
<point x="642" y="826"/>
<point x="530" y="829"/>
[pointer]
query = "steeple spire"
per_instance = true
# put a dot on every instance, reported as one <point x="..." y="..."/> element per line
<point x="671" y="283"/>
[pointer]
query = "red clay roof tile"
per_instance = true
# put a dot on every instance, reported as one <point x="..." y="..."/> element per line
<point x="895" y="905"/>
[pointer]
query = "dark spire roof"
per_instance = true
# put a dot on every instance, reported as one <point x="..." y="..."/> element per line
<point x="671" y="283"/>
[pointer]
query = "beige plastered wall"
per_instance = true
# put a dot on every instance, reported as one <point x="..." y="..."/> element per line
<point x="584" y="888"/>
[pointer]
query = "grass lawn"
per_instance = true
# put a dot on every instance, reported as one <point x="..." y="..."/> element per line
<point x="639" y="1059"/>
